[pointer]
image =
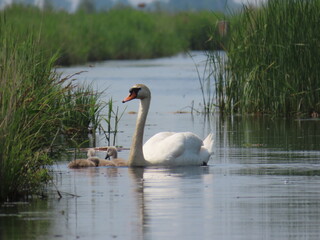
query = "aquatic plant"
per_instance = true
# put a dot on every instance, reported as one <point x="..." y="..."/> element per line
<point x="112" y="120"/>
<point x="272" y="64"/>
<point x="211" y="80"/>
<point x="81" y="109"/>
<point x="122" y="33"/>
<point x="29" y="119"/>
<point x="206" y="87"/>
<point x="36" y="106"/>
<point x="199" y="29"/>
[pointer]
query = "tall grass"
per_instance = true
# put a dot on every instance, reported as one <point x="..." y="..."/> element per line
<point x="34" y="110"/>
<point x="199" y="29"/>
<point x="28" y="118"/>
<point x="273" y="60"/>
<point x="112" y="120"/>
<point x="121" y="33"/>
<point x="82" y="110"/>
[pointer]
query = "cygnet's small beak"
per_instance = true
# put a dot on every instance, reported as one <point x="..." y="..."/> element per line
<point x="108" y="156"/>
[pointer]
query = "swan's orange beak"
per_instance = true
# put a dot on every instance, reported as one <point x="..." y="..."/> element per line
<point x="131" y="96"/>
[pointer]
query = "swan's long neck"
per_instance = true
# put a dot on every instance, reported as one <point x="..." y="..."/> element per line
<point x="136" y="158"/>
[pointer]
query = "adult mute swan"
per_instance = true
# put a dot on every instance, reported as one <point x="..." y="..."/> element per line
<point x="164" y="148"/>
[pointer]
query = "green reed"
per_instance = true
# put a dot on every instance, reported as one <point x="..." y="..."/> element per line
<point x="112" y="119"/>
<point x="272" y="64"/>
<point x="122" y="33"/>
<point x="34" y="111"/>
<point x="81" y="109"/>
<point x="29" y="120"/>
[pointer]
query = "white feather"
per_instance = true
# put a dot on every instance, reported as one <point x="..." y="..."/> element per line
<point x="165" y="148"/>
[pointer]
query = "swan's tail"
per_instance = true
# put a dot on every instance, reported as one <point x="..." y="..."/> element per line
<point x="208" y="143"/>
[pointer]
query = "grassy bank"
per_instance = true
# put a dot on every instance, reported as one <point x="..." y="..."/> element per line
<point x="273" y="60"/>
<point x="35" y="107"/>
<point x="117" y="34"/>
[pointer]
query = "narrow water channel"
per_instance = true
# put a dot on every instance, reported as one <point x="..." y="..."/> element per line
<point x="262" y="182"/>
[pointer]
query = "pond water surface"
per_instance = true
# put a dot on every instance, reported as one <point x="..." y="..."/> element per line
<point x="263" y="181"/>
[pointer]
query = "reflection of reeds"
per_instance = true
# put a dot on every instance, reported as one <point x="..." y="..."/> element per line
<point x="273" y="60"/>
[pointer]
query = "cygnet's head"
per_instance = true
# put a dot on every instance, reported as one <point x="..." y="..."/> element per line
<point x="91" y="152"/>
<point x="112" y="152"/>
<point x="138" y="91"/>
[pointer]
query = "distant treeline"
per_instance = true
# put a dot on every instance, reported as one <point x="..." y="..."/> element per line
<point x="123" y="33"/>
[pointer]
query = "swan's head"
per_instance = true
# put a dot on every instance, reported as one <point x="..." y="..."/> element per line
<point x="112" y="152"/>
<point x="138" y="91"/>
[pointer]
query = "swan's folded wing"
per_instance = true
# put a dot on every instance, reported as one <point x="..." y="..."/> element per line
<point x="163" y="147"/>
<point x="169" y="146"/>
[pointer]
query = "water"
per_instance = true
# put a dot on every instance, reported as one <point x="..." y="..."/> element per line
<point x="262" y="183"/>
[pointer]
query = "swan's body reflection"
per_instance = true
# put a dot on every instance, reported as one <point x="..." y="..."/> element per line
<point x="161" y="192"/>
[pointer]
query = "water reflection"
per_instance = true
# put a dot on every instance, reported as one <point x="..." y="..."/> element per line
<point x="262" y="183"/>
<point x="160" y="193"/>
<point x="224" y="201"/>
<point x="284" y="134"/>
<point x="200" y="203"/>
<point x="33" y="219"/>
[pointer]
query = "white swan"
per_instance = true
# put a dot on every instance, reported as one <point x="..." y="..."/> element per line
<point x="164" y="148"/>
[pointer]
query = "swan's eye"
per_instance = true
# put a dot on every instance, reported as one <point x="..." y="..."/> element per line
<point x="135" y="90"/>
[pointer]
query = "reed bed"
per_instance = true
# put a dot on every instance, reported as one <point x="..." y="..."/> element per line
<point x="122" y="33"/>
<point x="37" y="106"/>
<point x="273" y="62"/>
<point x="29" y="119"/>
<point x="112" y="119"/>
<point x="34" y="111"/>
<point x="82" y="109"/>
